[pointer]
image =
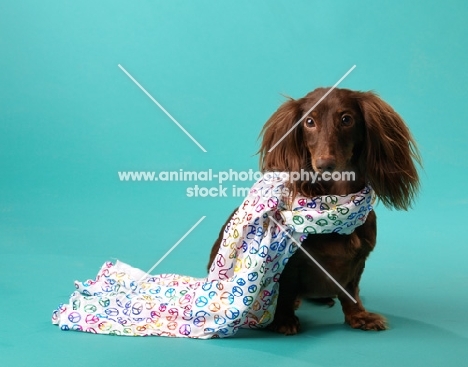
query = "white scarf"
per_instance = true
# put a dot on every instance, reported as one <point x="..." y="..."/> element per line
<point x="241" y="288"/>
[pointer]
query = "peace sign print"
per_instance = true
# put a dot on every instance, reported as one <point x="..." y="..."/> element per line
<point x="241" y="288"/>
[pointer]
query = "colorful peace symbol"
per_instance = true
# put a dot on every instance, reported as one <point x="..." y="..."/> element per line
<point x="232" y="313"/>
<point x="201" y="301"/>
<point x="74" y="317"/>
<point x="185" y="329"/>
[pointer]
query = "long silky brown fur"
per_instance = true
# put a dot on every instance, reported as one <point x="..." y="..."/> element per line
<point x="387" y="157"/>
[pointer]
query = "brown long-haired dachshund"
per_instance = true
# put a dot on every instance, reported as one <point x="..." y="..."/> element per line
<point x="349" y="131"/>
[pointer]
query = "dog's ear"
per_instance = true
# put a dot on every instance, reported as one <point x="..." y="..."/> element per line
<point x="282" y="150"/>
<point x="390" y="153"/>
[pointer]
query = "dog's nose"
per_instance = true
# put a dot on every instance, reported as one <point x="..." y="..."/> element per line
<point x="326" y="164"/>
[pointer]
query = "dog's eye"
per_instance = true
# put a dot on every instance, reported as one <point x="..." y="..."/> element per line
<point x="346" y="120"/>
<point x="309" y="122"/>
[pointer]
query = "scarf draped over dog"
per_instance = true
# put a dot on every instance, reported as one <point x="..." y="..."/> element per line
<point x="241" y="288"/>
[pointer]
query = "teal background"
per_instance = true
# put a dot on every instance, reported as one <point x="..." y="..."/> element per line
<point x="70" y="119"/>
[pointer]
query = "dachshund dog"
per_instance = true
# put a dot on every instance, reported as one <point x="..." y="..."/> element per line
<point x="349" y="131"/>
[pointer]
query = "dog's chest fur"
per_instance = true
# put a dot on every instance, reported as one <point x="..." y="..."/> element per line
<point x="343" y="256"/>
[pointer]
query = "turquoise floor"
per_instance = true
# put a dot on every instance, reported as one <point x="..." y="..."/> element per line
<point x="70" y="120"/>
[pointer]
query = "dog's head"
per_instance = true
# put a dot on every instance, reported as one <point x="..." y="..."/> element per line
<point x="347" y="131"/>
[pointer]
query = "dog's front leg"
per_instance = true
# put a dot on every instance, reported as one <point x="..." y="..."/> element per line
<point x="355" y="313"/>
<point x="285" y="320"/>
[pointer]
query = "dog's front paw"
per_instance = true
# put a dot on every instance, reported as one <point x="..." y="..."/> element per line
<point x="285" y="324"/>
<point x="367" y="321"/>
